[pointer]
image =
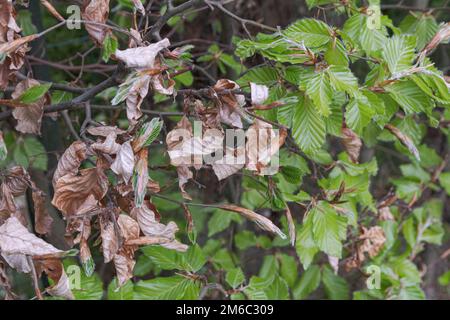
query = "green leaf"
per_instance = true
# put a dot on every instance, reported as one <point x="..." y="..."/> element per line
<point x="368" y="39"/>
<point x="288" y="269"/>
<point x="220" y="221"/>
<point x="444" y="180"/>
<point x="342" y="79"/>
<point x="305" y="245"/>
<point x="34" y="93"/>
<point x="336" y="287"/>
<point x="167" y="288"/>
<point x="308" y="127"/>
<point x="59" y="96"/>
<point x="410" y="232"/>
<point x="329" y="229"/>
<point x="444" y="279"/>
<point x="278" y="289"/>
<point x="410" y="293"/>
<point x="36" y="153"/>
<point x="3" y="150"/>
<point x="409" y="96"/>
<point x="235" y="277"/>
<point x="309" y="282"/>
<point x="399" y="53"/>
<point x="149" y="132"/>
<point x="359" y="114"/>
<point x="83" y="287"/>
<point x="25" y="23"/>
<point x="125" y="292"/>
<point x="291" y="174"/>
<point x="20" y="156"/>
<point x="319" y="90"/>
<point x="192" y="260"/>
<point x="423" y="26"/>
<point x="336" y="54"/>
<point x="312" y="33"/>
<point x="110" y="46"/>
<point x="256" y="289"/>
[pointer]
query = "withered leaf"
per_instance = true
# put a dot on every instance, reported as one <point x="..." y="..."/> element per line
<point x="42" y="219"/>
<point x="70" y="160"/>
<point x="262" y="143"/>
<point x="229" y="104"/>
<point x="135" y="96"/>
<point x="404" y="139"/>
<point x="352" y="144"/>
<point x="291" y="225"/>
<point x="96" y="11"/>
<point x="109" y="145"/>
<point x="55" y="271"/>
<point x="140" y="177"/>
<point x="110" y="241"/>
<point x="16" y="242"/>
<point x="124" y="163"/>
<point x="104" y="131"/>
<point x="142" y="57"/>
<point x="124" y="259"/>
<point x="260" y="220"/>
<point x="384" y="213"/>
<point x="152" y="228"/>
<point x="184" y="174"/>
<point x="259" y="93"/>
<point x="9" y="32"/>
<point x="71" y="190"/>
<point x="28" y="118"/>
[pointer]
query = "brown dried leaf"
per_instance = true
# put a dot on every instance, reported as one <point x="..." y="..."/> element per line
<point x="42" y="219"/>
<point x="291" y="225"/>
<point x="124" y="259"/>
<point x="28" y="118"/>
<point x="404" y="139"/>
<point x="384" y="213"/>
<point x="224" y="168"/>
<point x="229" y="104"/>
<point x="259" y="93"/>
<point x="104" y="131"/>
<point x="124" y="264"/>
<point x="108" y="146"/>
<point x="153" y="229"/>
<point x="142" y="57"/>
<point x="52" y="10"/>
<point x="96" y="11"/>
<point x="184" y="174"/>
<point x="71" y="191"/>
<point x="352" y="144"/>
<point x="374" y="240"/>
<point x="262" y="143"/>
<point x="70" y="160"/>
<point x="110" y="241"/>
<point x="16" y="242"/>
<point x="9" y="47"/>
<point x="61" y="288"/>
<point x="124" y="163"/>
<point x="136" y="94"/>
<point x="55" y="271"/>
<point x="141" y="177"/>
<point x="260" y="220"/>
<point x="9" y="32"/>
<point x="158" y="85"/>
<point x="441" y="35"/>
<point x="17" y="180"/>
